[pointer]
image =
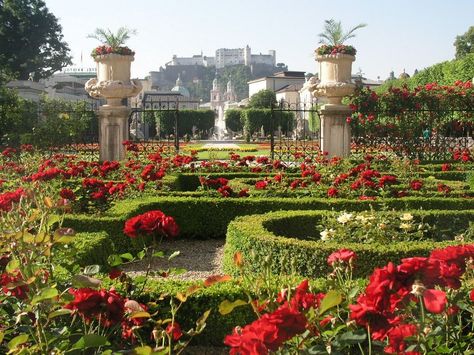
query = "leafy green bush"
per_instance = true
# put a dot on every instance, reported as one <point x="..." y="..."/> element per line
<point x="17" y="117"/>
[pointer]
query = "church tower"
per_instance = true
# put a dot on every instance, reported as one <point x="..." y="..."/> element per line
<point x="230" y="95"/>
<point x="216" y="94"/>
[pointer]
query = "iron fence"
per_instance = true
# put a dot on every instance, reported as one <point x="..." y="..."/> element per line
<point x="416" y="134"/>
<point x="299" y="137"/>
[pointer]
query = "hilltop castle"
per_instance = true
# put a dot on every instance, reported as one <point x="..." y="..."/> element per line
<point x="225" y="57"/>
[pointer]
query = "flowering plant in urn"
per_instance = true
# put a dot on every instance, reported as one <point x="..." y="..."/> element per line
<point x="335" y="63"/>
<point x="113" y="67"/>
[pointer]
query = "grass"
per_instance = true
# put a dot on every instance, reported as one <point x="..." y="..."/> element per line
<point x="261" y="149"/>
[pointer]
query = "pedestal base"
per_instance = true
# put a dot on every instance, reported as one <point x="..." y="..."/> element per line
<point x="113" y="131"/>
<point x="335" y="131"/>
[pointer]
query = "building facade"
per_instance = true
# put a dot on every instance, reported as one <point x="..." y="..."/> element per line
<point x="277" y="81"/>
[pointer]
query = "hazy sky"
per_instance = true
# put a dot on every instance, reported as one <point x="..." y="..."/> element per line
<point x="400" y="34"/>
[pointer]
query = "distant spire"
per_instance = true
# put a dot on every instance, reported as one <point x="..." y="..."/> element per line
<point x="178" y="81"/>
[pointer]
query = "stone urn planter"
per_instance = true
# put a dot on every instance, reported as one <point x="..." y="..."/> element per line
<point x="335" y="71"/>
<point x="113" y="79"/>
<point x="113" y="83"/>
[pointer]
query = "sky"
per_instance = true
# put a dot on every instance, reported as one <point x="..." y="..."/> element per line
<point x="400" y="35"/>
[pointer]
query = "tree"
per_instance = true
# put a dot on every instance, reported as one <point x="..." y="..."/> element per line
<point x="465" y="43"/>
<point x="334" y="35"/>
<point x="30" y="39"/>
<point x="240" y="75"/>
<point x="262" y="99"/>
<point x="114" y="40"/>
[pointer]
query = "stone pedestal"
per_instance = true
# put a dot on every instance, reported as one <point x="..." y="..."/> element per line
<point x="113" y="131"/>
<point x="335" y="132"/>
<point x="113" y="83"/>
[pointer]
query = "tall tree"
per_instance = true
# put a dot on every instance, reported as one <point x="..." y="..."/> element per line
<point x="262" y="99"/>
<point x="465" y="43"/>
<point x="31" y="40"/>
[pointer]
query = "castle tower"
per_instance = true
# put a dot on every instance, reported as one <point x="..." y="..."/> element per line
<point x="247" y="56"/>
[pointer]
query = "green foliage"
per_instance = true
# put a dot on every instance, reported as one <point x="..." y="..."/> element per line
<point x="114" y="40"/>
<point x="92" y="248"/>
<point x="258" y="237"/>
<point x="445" y="73"/>
<point x="334" y="35"/>
<point x="59" y="123"/>
<point x="31" y="39"/>
<point x="314" y="122"/>
<point x="232" y="120"/>
<point x="253" y="119"/>
<point x="264" y="99"/>
<point x="240" y="76"/>
<point x="202" y="120"/>
<point x="17" y="116"/>
<point x="465" y="43"/>
<point x="201" y="88"/>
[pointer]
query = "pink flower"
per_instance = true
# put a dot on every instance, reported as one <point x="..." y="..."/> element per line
<point x="342" y="256"/>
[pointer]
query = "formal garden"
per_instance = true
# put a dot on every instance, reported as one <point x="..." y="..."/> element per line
<point x="370" y="251"/>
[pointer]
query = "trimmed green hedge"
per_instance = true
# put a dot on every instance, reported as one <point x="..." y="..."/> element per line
<point x="88" y="248"/>
<point x="207" y="217"/>
<point x="249" y="236"/>
<point x="203" y="120"/>
<point x="190" y="181"/>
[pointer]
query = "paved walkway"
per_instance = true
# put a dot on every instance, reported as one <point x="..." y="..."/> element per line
<point x="221" y="145"/>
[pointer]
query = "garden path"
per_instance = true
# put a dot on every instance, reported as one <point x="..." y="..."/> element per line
<point x="201" y="259"/>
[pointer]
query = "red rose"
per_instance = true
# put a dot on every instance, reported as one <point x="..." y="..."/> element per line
<point x="396" y="337"/>
<point x="144" y="224"/>
<point x="332" y="192"/>
<point x="416" y="185"/>
<point x="106" y="306"/>
<point x="7" y="199"/>
<point x="8" y="283"/>
<point x="446" y="167"/>
<point x="261" y="185"/>
<point x="115" y="273"/>
<point x="170" y="227"/>
<point x="342" y="256"/>
<point x="434" y="300"/>
<point x="174" y="330"/>
<point x="67" y="194"/>
<point x="244" y="193"/>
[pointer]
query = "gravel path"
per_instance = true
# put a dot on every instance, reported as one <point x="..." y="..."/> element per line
<point x="201" y="259"/>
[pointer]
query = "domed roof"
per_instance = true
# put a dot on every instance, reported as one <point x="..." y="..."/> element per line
<point x="403" y="75"/>
<point x="180" y="88"/>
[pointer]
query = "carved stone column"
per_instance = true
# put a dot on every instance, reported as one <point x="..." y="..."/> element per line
<point x="113" y="83"/>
